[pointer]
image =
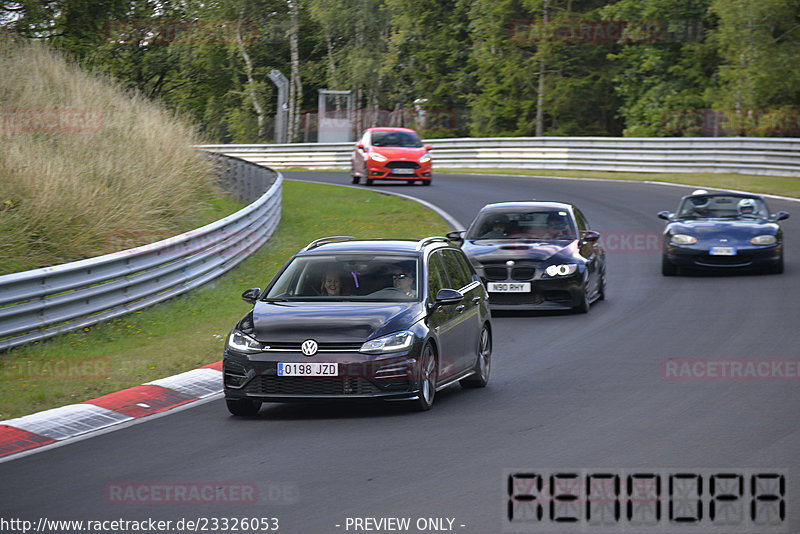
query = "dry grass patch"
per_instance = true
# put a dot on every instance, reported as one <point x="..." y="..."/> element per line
<point x="87" y="168"/>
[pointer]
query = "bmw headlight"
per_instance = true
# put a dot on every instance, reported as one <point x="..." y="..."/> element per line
<point x="378" y="157"/>
<point x="242" y="342"/>
<point x="764" y="240"/>
<point x="564" y="269"/>
<point x="683" y="239"/>
<point x="391" y="343"/>
<point x="424" y="159"/>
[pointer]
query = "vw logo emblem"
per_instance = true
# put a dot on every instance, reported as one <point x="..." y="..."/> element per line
<point x="309" y="347"/>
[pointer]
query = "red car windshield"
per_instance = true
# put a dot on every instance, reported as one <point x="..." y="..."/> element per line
<point x="397" y="139"/>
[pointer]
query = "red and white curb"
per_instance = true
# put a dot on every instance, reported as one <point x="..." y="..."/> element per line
<point x="66" y="422"/>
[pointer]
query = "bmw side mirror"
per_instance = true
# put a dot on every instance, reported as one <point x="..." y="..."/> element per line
<point x="251" y="295"/>
<point x="590" y="236"/>
<point x="456" y="236"/>
<point x="360" y="145"/>
<point x="428" y="147"/>
<point x="664" y="215"/>
<point x="781" y="215"/>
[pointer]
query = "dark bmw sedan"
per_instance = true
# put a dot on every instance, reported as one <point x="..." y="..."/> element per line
<point x="722" y="231"/>
<point x="536" y="256"/>
<point x="361" y="319"/>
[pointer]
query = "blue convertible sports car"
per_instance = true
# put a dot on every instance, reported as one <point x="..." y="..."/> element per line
<point x="722" y="230"/>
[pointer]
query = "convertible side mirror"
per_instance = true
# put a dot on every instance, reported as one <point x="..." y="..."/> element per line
<point x="457" y="236"/>
<point x="781" y="215"/>
<point x="664" y="215"/>
<point x="251" y="295"/>
<point x="590" y="236"/>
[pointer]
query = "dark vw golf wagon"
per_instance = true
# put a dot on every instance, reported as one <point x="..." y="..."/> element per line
<point x="361" y="319"/>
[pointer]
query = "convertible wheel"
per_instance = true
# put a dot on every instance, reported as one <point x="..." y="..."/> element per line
<point x="484" y="363"/>
<point x="777" y="268"/>
<point x="667" y="268"/>
<point x="427" y="182"/>
<point x="427" y="379"/>
<point x="243" y="406"/>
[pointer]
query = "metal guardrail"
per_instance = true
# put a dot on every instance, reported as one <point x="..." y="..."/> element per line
<point x="41" y="303"/>
<point x="745" y="155"/>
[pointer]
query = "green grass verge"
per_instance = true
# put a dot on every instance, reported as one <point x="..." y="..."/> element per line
<point x="189" y="331"/>
<point x="788" y="186"/>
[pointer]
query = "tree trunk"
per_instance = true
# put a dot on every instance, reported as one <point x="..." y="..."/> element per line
<point x="295" y="84"/>
<point x="540" y="94"/>
<point x="251" y="84"/>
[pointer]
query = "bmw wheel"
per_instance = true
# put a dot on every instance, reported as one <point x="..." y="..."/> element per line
<point x="583" y="305"/>
<point x="243" y="406"/>
<point x="427" y="378"/>
<point x="483" y="365"/>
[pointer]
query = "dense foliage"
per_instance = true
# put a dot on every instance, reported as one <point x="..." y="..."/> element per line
<point x="472" y="67"/>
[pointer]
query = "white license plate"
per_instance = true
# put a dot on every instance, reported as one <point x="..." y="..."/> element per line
<point x="308" y="369"/>
<point x="722" y="251"/>
<point x="509" y="287"/>
<point x="403" y="171"/>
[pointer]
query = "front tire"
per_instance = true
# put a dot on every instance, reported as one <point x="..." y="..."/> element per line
<point x="427" y="379"/>
<point x="667" y="268"/>
<point x="777" y="268"/>
<point x="483" y="365"/>
<point x="583" y="305"/>
<point x="243" y="407"/>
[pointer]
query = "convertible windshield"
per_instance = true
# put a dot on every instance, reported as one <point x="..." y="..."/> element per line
<point x="398" y="139"/>
<point x="534" y="225"/>
<point x="722" y="207"/>
<point x="351" y="277"/>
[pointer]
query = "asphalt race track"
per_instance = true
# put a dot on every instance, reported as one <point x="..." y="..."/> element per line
<point x="589" y="394"/>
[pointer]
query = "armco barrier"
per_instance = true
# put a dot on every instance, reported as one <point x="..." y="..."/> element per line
<point x="41" y="303"/>
<point x="745" y="155"/>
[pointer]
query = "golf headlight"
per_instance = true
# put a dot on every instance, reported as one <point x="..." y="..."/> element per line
<point x="564" y="269"/>
<point x="391" y="343"/>
<point x="243" y="343"/>
<point x="424" y="159"/>
<point x="683" y="239"/>
<point x="378" y="157"/>
<point x="764" y="240"/>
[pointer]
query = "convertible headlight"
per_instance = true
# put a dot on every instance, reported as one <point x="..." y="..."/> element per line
<point x="683" y="239"/>
<point x="424" y="159"/>
<point x="378" y="157"/>
<point x="764" y="240"/>
<point x="564" y="269"/>
<point x="243" y="343"/>
<point x="391" y="343"/>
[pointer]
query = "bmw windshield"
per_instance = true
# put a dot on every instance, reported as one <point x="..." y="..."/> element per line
<point x="354" y="277"/>
<point x="523" y="225"/>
